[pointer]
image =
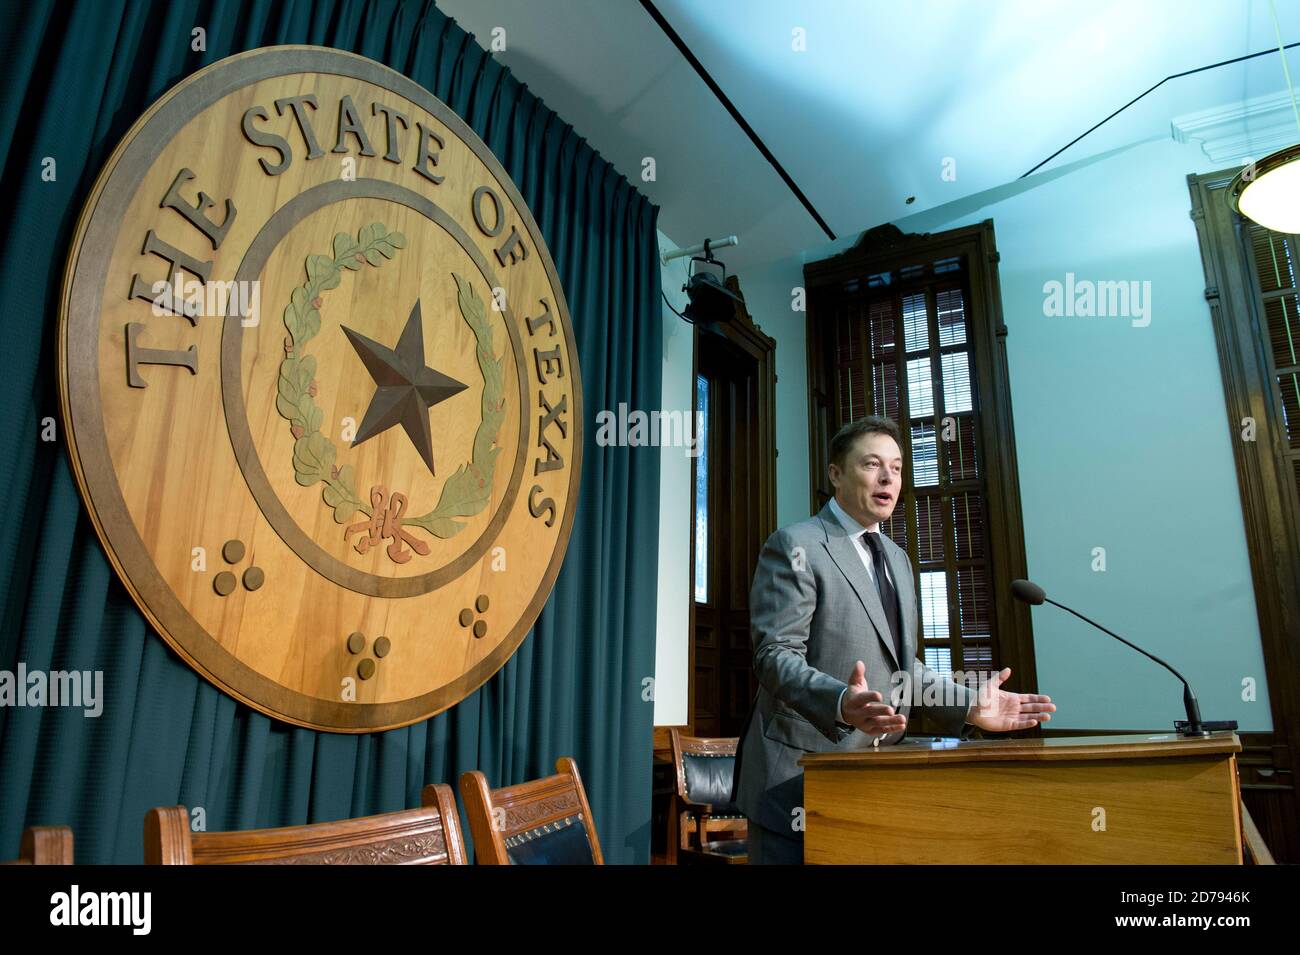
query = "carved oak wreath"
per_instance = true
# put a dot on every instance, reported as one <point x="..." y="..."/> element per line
<point x="466" y="492"/>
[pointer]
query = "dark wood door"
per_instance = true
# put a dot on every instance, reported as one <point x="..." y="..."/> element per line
<point x="729" y="532"/>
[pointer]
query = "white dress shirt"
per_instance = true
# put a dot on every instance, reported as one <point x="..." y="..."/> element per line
<point x="856" y="530"/>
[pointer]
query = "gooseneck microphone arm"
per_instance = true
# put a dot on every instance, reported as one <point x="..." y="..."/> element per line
<point x="1029" y="592"/>
<point x="1189" y="698"/>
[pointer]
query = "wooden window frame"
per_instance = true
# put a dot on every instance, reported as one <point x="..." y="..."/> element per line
<point x="886" y="249"/>
<point x="1269" y="504"/>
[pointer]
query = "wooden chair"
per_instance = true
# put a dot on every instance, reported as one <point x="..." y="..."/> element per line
<point x="427" y="836"/>
<point x="44" y="845"/>
<point x="702" y="805"/>
<point x="539" y="822"/>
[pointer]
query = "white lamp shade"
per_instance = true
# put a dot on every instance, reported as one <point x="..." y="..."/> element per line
<point x="1270" y="192"/>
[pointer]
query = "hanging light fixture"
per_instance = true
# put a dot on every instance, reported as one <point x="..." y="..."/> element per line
<point x="1268" y="191"/>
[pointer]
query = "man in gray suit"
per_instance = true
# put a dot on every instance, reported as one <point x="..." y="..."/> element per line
<point x="833" y="615"/>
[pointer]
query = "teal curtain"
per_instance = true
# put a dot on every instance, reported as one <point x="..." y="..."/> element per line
<point x="78" y="75"/>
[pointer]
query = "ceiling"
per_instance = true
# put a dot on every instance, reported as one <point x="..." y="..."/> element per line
<point x="882" y="100"/>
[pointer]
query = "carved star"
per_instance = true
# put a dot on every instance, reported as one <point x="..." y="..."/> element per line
<point x="407" y="388"/>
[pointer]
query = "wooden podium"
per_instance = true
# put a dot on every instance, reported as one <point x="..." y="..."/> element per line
<point x="1088" y="799"/>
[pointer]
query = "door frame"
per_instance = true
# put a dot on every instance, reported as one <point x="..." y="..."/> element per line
<point x="743" y="335"/>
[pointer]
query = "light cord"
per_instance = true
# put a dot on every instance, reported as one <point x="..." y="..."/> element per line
<point x="1286" y="71"/>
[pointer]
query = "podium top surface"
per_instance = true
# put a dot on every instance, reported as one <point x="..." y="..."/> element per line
<point x="930" y="750"/>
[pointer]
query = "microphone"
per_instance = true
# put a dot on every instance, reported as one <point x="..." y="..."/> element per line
<point x="1026" y="591"/>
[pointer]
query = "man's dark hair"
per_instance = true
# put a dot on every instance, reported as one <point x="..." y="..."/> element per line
<point x="847" y="435"/>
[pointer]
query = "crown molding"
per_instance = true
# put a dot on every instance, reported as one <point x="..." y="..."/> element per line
<point x="1238" y="132"/>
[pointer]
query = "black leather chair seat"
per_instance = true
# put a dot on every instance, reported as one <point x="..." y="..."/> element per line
<point x="727" y="847"/>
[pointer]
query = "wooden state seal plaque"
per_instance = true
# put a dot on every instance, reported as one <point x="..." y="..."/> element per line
<point x="321" y="389"/>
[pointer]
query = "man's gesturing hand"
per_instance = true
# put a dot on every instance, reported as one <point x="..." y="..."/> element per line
<point x="864" y="708"/>
<point x="998" y="711"/>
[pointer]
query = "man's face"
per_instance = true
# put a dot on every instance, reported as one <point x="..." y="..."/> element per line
<point x="868" y="484"/>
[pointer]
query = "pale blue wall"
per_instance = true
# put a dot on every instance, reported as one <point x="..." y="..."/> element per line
<point x="1121" y="436"/>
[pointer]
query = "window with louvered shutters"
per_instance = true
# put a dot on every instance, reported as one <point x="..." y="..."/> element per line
<point x="902" y="342"/>
<point x="1276" y="260"/>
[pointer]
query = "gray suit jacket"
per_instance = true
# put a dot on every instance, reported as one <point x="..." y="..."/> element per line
<point x="814" y="612"/>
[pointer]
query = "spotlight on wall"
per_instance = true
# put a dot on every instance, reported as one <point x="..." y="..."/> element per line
<point x="711" y="302"/>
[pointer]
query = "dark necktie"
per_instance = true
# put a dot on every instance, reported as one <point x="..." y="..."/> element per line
<point x="888" y="596"/>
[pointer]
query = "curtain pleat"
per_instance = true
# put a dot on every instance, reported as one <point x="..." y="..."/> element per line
<point x="80" y="74"/>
